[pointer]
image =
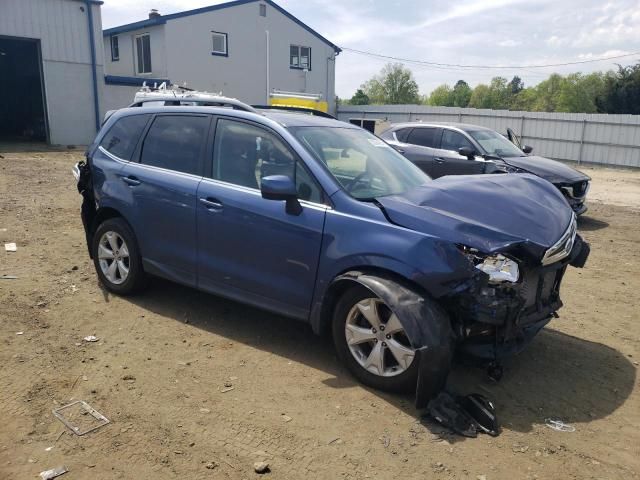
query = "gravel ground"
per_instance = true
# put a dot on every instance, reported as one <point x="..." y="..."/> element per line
<point x="200" y="387"/>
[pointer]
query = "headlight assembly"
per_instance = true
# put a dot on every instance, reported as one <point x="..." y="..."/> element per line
<point x="500" y="269"/>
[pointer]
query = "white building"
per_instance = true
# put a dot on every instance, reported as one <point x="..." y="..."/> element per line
<point x="253" y="50"/>
<point x="51" y="70"/>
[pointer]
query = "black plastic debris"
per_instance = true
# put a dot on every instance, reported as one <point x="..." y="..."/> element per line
<point x="465" y="415"/>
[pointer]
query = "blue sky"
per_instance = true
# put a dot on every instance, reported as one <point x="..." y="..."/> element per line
<point x="469" y="32"/>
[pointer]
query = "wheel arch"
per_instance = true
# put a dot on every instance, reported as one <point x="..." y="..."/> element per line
<point x="425" y="322"/>
<point x="348" y="278"/>
<point x="101" y="215"/>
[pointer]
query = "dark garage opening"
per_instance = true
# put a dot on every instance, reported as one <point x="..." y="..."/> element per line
<point x="22" y="106"/>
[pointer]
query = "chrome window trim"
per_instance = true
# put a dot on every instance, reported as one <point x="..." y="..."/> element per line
<point x="256" y="191"/>
<point x="112" y="156"/>
<point x="562" y="248"/>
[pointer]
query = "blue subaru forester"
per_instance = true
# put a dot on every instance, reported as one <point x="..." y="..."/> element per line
<point x="320" y="221"/>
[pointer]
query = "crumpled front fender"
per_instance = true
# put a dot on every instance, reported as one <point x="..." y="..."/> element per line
<point x="426" y="324"/>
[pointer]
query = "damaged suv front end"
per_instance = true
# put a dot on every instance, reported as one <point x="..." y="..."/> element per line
<point x="505" y="308"/>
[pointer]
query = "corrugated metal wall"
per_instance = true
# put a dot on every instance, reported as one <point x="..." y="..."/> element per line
<point x="61" y="25"/>
<point x="577" y="137"/>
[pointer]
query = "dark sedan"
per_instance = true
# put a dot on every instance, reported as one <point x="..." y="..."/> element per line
<point x="441" y="149"/>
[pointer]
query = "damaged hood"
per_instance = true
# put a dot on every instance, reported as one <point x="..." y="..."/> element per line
<point x="551" y="170"/>
<point x="491" y="213"/>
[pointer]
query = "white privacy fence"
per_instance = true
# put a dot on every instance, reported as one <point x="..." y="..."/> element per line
<point x="577" y="137"/>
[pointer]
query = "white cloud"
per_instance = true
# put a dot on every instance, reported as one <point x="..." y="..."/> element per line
<point x="510" y="43"/>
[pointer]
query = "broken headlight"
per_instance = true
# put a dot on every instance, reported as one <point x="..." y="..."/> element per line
<point x="500" y="269"/>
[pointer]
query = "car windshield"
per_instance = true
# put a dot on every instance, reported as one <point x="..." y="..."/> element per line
<point x="364" y="165"/>
<point x="495" y="144"/>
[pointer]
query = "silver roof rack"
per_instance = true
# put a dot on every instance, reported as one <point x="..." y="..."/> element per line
<point x="181" y="95"/>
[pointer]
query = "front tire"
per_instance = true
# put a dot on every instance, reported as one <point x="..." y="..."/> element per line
<point x="372" y="343"/>
<point x="116" y="257"/>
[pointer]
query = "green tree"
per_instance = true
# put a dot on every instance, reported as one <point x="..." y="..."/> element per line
<point x="442" y="96"/>
<point x="524" y="100"/>
<point x="393" y="85"/>
<point x="495" y="95"/>
<point x="359" y="98"/>
<point x="461" y="94"/>
<point x="578" y="93"/>
<point x="516" y="85"/>
<point x="480" y="97"/>
<point x="621" y="91"/>
<point x="548" y="93"/>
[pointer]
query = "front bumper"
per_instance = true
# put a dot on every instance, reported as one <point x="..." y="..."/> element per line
<point x="492" y="321"/>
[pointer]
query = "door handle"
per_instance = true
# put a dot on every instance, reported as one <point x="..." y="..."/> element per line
<point x="131" y="181"/>
<point x="398" y="149"/>
<point x="439" y="160"/>
<point x="211" y="203"/>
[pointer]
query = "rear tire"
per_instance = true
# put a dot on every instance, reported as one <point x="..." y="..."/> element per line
<point x="116" y="257"/>
<point x="375" y="342"/>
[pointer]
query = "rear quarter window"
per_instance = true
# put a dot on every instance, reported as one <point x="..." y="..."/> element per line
<point x="123" y="136"/>
<point x="402" y="134"/>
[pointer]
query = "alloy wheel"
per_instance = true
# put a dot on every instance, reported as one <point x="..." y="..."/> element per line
<point x="376" y="338"/>
<point x="113" y="256"/>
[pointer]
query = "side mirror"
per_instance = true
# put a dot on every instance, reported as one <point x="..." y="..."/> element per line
<point x="281" y="187"/>
<point x="467" y="152"/>
<point x="527" y="149"/>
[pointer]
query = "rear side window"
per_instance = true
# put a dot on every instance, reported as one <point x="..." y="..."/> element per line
<point x="453" y="141"/>
<point x="176" y="142"/>
<point x="122" y="137"/>
<point x="425" y="137"/>
<point x="402" y="134"/>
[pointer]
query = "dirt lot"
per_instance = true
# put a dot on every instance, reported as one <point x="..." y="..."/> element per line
<point x="162" y="368"/>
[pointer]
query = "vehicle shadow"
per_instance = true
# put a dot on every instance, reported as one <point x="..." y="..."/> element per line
<point x="590" y="224"/>
<point x="558" y="376"/>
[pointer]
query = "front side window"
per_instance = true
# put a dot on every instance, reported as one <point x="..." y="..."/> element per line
<point x="300" y="57"/>
<point x="495" y="144"/>
<point x="244" y="154"/>
<point x="454" y="140"/>
<point x="219" y="43"/>
<point x="425" y="137"/>
<point x="365" y="166"/>
<point x="143" y="53"/>
<point x="122" y="137"/>
<point x="176" y="142"/>
<point x="115" y="49"/>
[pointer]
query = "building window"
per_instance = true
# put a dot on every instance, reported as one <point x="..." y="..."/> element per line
<point x="219" y="44"/>
<point x="300" y="57"/>
<point x="143" y="53"/>
<point x="115" y="49"/>
<point x="263" y="10"/>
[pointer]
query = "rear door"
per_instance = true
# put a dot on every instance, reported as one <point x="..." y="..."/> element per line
<point x="449" y="162"/>
<point x="420" y="149"/>
<point x="250" y="248"/>
<point x="163" y="186"/>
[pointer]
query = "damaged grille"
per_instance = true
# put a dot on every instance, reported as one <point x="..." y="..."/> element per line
<point x="562" y="248"/>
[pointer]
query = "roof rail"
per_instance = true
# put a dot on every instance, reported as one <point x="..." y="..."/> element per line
<point x="289" y="108"/>
<point x="181" y="94"/>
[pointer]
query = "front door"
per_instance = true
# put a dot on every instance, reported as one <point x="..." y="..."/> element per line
<point x="449" y="162"/>
<point x="163" y="194"/>
<point x="250" y="248"/>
